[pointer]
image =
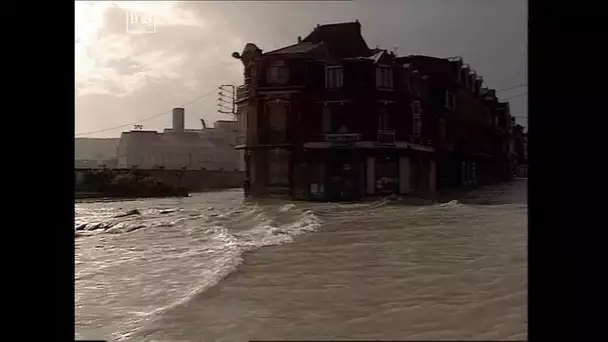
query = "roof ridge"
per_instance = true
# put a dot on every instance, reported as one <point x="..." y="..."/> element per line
<point x="311" y="45"/>
<point x="340" y="23"/>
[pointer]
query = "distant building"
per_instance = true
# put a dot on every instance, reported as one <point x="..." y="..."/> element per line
<point x="520" y="149"/>
<point x="180" y="148"/>
<point x="86" y="164"/>
<point x="95" y="164"/>
<point x="95" y="152"/>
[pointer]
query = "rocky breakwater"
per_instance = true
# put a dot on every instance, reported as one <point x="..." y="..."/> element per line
<point x="130" y="184"/>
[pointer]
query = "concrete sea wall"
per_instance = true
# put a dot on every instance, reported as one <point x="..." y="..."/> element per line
<point x="193" y="180"/>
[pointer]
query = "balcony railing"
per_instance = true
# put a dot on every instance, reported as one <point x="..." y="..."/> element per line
<point x="386" y="137"/>
<point x="342" y="137"/>
<point x="419" y="140"/>
<point x="243" y="92"/>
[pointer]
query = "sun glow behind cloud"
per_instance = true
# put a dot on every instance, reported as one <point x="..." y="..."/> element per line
<point x="100" y="47"/>
<point x="122" y="78"/>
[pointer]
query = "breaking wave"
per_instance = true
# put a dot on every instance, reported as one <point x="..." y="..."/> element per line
<point x="203" y="246"/>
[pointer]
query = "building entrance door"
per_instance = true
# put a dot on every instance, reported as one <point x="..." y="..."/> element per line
<point x="343" y="181"/>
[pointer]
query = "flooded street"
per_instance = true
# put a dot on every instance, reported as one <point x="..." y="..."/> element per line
<point x="211" y="267"/>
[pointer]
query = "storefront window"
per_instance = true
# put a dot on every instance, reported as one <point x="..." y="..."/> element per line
<point x="317" y="181"/>
<point x="387" y="175"/>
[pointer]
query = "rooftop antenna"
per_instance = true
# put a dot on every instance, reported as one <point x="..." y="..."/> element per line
<point x="226" y="99"/>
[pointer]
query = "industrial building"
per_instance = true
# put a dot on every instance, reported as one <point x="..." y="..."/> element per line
<point x="209" y="148"/>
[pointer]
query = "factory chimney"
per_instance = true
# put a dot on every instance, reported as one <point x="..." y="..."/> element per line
<point x="178" y="119"/>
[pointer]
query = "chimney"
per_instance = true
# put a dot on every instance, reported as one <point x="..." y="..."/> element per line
<point x="178" y="119"/>
<point x="299" y="39"/>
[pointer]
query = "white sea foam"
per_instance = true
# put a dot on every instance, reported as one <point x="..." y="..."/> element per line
<point x="211" y="246"/>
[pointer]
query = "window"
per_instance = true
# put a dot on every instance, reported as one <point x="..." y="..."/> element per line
<point x="278" y="168"/>
<point x="277" y="73"/>
<point x="464" y="73"/>
<point x="416" y="118"/>
<point x="334" y="77"/>
<point x="477" y="86"/>
<point x="384" y="77"/>
<point x="408" y="76"/>
<point x="450" y="100"/>
<point x="383" y="118"/>
<point x="414" y="83"/>
<point x="443" y="133"/>
<point x="326" y="119"/>
<point x="317" y="180"/>
<point x="278" y="122"/>
<point x="278" y="116"/>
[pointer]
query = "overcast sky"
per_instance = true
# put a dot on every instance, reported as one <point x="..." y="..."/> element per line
<point x="124" y="77"/>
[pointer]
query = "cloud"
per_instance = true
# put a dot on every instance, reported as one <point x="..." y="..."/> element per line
<point x="111" y="61"/>
<point x="143" y="74"/>
<point x="122" y="77"/>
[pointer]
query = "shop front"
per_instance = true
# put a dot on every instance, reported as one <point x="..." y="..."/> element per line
<point x="386" y="175"/>
<point x="333" y="175"/>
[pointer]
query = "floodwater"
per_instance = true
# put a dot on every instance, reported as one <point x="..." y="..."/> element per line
<point x="214" y="268"/>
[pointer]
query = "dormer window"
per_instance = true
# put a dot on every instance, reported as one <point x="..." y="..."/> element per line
<point x="277" y="73"/>
<point x="334" y="77"/>
<point x="464" y="75"/>
<point x="450" y="100"/>
<point x="414" y="83"/>
<point x="384" y="77"/>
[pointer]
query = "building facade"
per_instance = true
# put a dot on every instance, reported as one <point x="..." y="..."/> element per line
<point x="520" y="150"/>
<point x="95" y="153"/>
<point x="328" y="118"/>
<point x="180" y="148"/>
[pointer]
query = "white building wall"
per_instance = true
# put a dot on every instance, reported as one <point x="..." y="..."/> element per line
<point x="211" y="148"/>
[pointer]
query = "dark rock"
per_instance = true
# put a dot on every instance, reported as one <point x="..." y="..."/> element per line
<point x="93" y="226"/>
<point x="129" y="213"/>
<point x="133" y="228"/>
